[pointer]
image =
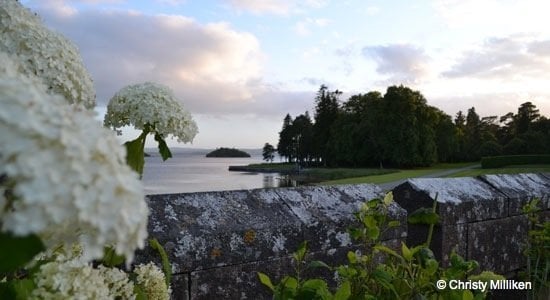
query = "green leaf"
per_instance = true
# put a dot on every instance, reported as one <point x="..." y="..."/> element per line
<point x="314" y="284"/>
<point x="300" y="253"/>
<point x="16" y="252"/>
<point x="388" y="199"/>
<point x="373" y="233"/>
<point x="163" y="148"/>
<point x="343" y="292"/>
<point x="264" y="279"/>
<point x="135" y="156"/>
<point x="369" y="221"/>
<point x="355" y="233"/>
<point x="467" y="295"/>
<point x="110" y="258"/>
<point x="373" y="203"/>
<point x="140" y="293"/>
<point x="393" y="224"/>
<point x="314" y="289"/>
<point x="23" y="288"/>
<point x="423" y="216"/>
<point x="387" y="250"/>
<point x="352" y="257"/>
<point x="407" y="253"/>
<point x="166" y="266"/>
<point x="318" y="264"/>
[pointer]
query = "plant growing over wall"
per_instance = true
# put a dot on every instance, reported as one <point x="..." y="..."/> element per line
<point x="382" y="272"/>
<point x="537" y="251"/>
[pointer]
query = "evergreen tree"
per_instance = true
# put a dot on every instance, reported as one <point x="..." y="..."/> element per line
<point x="285" y="147"/>
<point x="326" y="112"/>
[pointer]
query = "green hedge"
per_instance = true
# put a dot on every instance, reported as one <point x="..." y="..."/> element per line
<point x="507" y="160"/>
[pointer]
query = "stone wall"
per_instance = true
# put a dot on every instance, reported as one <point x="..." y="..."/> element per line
<point x="217" y="241"/>
<point x="480" y="218"/>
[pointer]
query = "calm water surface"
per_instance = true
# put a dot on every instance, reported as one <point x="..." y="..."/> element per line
<point x="190" y="171"/>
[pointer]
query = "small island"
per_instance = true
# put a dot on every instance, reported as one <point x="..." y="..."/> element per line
<point x="227" y="152"/>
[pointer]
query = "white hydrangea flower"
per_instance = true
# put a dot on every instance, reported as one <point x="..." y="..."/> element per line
<point x="45" y="54"/>
<point x="154" y="105"/>
<point x="65" y="174"/>
<point x="152" y="280"/>
<point x="75" y="279"/>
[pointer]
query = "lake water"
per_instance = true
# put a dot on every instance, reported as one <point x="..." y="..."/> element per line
<point x="190" y="171"/>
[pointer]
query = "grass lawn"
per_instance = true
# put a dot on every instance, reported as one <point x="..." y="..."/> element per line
<point x="322" y="174"/>
<point x="504" y="170"/>
<point x="274" y="166"/>
<point x="400" y="174"/>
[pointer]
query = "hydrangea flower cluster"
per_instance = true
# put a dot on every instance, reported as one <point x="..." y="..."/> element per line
<point x="71" y="277"/>
<point x="152" y="280"/>
<point x="154" y="105"/>
<point x="44" y="54"/>
<point x="75" y="278"/>
<point x="66" y="175"/>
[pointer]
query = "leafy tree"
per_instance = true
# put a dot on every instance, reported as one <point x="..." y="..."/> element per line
<point x="515" y="146"/>
<point x="490" y="148"/>
<point x="446" y="137"/>
<point x="406" y="128"/>
<point x="268" y="152"/>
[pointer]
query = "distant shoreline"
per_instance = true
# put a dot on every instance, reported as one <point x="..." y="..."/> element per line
<point x="260" y="170"/>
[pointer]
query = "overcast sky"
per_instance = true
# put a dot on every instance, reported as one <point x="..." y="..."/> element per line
<point x="240" y="65"/>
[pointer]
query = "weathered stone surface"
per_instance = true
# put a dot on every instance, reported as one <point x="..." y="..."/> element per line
<point x="206" y="230"/>
<point x="238" y="281"/>
<point x="497" y="244"/>
<point x="459" y="200"/>
<point x="220" y="239"/>
<point x="520" y="189"/>
<point x="180" y="287"/>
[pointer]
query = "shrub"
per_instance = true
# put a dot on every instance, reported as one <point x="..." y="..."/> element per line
<point x="507" y="160"/>
<point x="408" y="273"/>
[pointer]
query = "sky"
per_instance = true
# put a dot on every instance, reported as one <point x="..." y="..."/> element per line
<point x="239" y="66"/>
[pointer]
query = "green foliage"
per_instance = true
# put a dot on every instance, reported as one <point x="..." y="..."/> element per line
<point x="268" y="152"/>
<point x="110" y="258"/>
<point x="16" y="252"/>
<point x="163" y="147"/>
<point x="508" y="160"/>
<point x="537" y="251"/>
<point x="135" y="154"/>
<point x="166" y="267"/>
<point x="490" y="148"/>
<point x="383" y="272"/>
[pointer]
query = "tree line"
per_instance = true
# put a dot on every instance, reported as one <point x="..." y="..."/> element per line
<point x="399" y="129"/>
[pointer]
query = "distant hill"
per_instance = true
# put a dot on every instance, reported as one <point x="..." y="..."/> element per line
<point x="227" y="152"/>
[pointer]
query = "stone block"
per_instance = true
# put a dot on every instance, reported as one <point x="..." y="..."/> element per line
<point x="459" y="200"/>
<point x="520" y="189"/>
<point x="497" y="244"/>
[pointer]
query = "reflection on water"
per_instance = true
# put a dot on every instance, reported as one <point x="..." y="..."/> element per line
<point x="272" y="180"/>
<point x="189" y="171"/>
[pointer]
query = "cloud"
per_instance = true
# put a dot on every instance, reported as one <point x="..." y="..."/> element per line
<point x="278" y="7"/>
<point x="404" y="63"/>
<point x="504" y="58"/>
<point x="518" y="15"/>
<point x="303" y="27"/>
<point x="212" y="68"/>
